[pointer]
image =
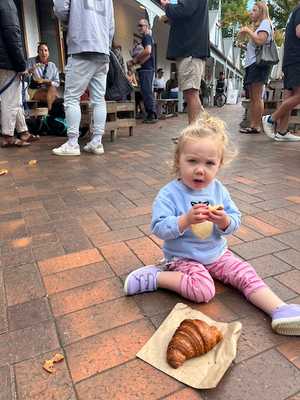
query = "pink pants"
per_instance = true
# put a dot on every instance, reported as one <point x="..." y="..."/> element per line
<point x="197" y="281"/>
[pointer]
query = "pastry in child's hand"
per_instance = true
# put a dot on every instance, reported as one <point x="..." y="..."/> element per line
<point x="192" y="338"/>
<point x="204" y="230"/>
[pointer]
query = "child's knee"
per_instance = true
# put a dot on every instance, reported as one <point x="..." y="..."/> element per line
<point x="202" y="290"/>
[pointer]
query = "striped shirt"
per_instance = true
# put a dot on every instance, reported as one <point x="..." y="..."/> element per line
<point x="44" y="71"/>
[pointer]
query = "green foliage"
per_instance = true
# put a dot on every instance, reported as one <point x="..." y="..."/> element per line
<point x="234" y="15"/>
<point x="280" y="11"/>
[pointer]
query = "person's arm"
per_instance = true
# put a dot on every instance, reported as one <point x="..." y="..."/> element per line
<point x="183" y="9"/>
<point x="258" y="38"/>
<point x="62" y="9"/>
<point x="111" y="26"/>
<point x="12" y="39"/>
<point x="146" y="53"/>
<point x="164" y="220"/>
<point x="55" y="77"/>
<point x="298" y="31"/>
<point x="228" y="220"/>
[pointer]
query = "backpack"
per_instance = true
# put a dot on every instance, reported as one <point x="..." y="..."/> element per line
<point x="54" y="126"/>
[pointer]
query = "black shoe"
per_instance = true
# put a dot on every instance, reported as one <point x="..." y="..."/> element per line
<point x="151" y="119"/>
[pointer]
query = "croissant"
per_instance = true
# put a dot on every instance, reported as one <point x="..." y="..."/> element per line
<point x="191" y="339"/>
<point x="204" y="229"/>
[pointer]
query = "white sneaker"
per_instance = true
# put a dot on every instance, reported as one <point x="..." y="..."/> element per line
<point x="288" y="137"/>
<point x="92" y="148"/>
<point x="66" y="150"/>
<point x="268" y="127"/>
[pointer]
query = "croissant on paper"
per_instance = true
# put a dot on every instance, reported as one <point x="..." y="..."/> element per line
<point x="191" y="339"/>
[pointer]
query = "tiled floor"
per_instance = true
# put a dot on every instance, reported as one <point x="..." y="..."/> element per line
<point x="72" y="228"/>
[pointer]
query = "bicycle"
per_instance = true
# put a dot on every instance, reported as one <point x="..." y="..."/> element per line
<point x="220" y="99"/>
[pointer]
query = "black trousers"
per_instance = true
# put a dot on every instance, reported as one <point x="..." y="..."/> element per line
<point x="146" y="84"/>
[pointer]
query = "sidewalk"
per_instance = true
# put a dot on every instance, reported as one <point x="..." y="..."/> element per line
<point x="72" y="228"/>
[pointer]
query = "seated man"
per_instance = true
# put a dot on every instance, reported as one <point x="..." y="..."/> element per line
<point x="44" y="77"/>
<point x="159" y="82"/>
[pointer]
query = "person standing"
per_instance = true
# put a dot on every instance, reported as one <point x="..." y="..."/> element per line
<point x="146" y="72"/>
<point x="276" y="125"/>
<point x="189" y="46"/>
<point x="256" y="76"/>
<point x="89" y="37"/>
<point x="12" y="66"/>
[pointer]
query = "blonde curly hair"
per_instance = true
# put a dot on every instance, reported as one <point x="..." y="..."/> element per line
<point x="206" y="127"/>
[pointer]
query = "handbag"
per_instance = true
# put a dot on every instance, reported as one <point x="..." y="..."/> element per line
<point x="267" y="54"/>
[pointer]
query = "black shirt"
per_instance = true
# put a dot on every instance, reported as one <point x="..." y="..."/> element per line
<point x="148" y="41"/>
<point x="189" y="32"/>
<point x="292" y="42"/>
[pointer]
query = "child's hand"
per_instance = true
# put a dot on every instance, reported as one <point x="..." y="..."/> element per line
<point x="198" y="213"/>
<point x="219" y="217"/>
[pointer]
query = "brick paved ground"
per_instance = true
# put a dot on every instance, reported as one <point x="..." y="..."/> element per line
<point x="72" y="228"/>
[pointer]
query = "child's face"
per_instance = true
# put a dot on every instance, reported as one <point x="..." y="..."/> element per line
<point x="199" y="162"/>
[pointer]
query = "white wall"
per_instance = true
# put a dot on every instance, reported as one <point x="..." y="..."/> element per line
<point x="31" y="26"/>
<point x="127" y="16"/>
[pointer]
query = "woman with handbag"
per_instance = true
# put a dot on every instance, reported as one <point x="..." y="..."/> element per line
<point x="44" y="77"/>
<point x="256" y="76"/>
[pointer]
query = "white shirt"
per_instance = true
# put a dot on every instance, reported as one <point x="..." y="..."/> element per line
<point x="159" y="83"/>
<point x="264" y="26"/>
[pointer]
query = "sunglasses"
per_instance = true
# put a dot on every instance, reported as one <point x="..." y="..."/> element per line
<point x="141" y="25"/>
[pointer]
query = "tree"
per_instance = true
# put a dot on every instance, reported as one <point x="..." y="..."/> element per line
<point x="280" y="11"/>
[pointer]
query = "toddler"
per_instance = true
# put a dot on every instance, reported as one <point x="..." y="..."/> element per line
<point x="192" y="263"/>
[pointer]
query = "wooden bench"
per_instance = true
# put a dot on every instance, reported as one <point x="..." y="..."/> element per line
<point x="167" y="108"/>
<point x="126" y="115"/>
<point x="36" y="109"/>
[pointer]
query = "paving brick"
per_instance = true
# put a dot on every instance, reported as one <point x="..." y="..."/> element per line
<point x="26" y="343"/>
<point x="129" y="222"/>
<point x="58" y="264"/>
<point x="5" y="383"/>
<point x="12" y="229"/>
<point x="48" y="250"/>
<point x="97" y="319"/>
<point x="279" y="381"/>
<point x="120" y="258"/>
<point x="76" y="277"/>
<point x="35" y="311"/>
<point x="34" y="383"/>
<point x="291" y="351"/>
<point x="102" y="239"/>
<point x="185" y="394"/>
<point x="3" y="317"/>
<point x="281" y="290"/>
<point x="258" y="248"/>
<point x="107" y="350"/>
<point x="292" y="239"/>
<point x="290" y="256"/>
<point x="149" y="384"/>
<point x="269" y="265"/>
<point x="260" y="226"/>
<point x="86" y="296"/>
<point x="247" y="234"/>
<point x="23" y="284"/>
<point x="147" y="251"/>
<point x="291" y="279"/>
<point x="17" y="257"/>
<point x="273" y="219"/>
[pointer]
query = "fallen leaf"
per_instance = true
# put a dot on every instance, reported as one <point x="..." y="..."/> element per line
<point x="49" y="366"/>
<point x="32" y="162"/>
<point x="58" y="357"/>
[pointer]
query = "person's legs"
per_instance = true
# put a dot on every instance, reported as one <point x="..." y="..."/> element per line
<point x="256" y="105"/>
<point x="187" y="277"/>
<point x="79" y="72"/>
<point x="146" y="85"/>
<point x="190" y="72"/>
<point x="10" y="103"/>
<point x="194" y="106"/>
<point x="52" y="94"/>
<point x="283" y="122"/>
<point x="241" y="275"/>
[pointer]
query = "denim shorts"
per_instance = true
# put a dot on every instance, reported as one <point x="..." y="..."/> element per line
<point x="291" y="78"/>
<point x="256" y="74"/>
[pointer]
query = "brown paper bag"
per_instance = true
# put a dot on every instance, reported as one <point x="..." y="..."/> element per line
<point x="201" y="372"/>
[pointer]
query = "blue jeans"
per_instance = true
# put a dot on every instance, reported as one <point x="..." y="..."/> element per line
<point x="83" y="72"/>
<point x="146" y="84"/>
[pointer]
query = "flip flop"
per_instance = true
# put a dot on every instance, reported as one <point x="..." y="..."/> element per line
<point x="15" y="143"/>
<point x="30" y="138"/>
<point x="249" y="130"/>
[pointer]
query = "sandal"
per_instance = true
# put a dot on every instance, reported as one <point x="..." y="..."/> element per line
<point x="29" y="137"/>
<point x="250" y="130"/>
<point x="15" y="143"/>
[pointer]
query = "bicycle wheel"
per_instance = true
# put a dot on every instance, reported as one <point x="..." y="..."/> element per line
<point x="220" y="100"/>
